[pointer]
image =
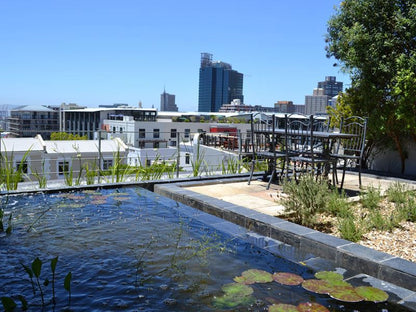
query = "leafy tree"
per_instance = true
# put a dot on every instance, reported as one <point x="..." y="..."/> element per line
<point x="375" y="42"/>
<point x="61" y="136"/>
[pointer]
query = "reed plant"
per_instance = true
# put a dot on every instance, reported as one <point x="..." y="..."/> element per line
<point x="38" y="286"/>
<point x="40" y="176"/>
<point x="11" y="175"/>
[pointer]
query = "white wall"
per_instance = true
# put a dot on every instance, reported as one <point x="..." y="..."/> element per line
<point x="389" y="160"/>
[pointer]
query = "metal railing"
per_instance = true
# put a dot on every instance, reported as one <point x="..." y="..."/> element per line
<point x="121" y="156"/>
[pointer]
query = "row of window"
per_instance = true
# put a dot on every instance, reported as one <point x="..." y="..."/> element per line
<point x="63" y="166"/>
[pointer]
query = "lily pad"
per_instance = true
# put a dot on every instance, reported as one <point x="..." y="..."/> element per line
<point x="235" y="294"/>
<point x="345" y="293"/>
<point x="317" y="286"/>
<point x="229" y="301"/>
<point x="371" y="293"/>
<point x="282" y="307"/>
<point x="329" y="276"/>
<point x="286" y="278"/>
<point x="311" y="307"/>
<point x="257" y="276"/>
<point x="242" y="280"/>
<point x="237" y="289"/>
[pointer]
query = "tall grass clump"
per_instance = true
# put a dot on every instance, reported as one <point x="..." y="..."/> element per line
<point x="306" y="199"/>
<point x="371" y="198"/>
<point x="40" y="176"/>
<point x="350" y="229"/>
<point x="10" y="176"/>
<point x="198" y="162"/>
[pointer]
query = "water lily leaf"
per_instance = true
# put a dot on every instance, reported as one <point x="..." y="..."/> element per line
<point x="235" y="294"/>
<point x="286" y="278"/>
<point x="345" y="293"/>
<point x="371" y="293"/>
<point x="282" y="307"/>
<point x="241" y="280"/>
<point x="229" y="301"/>
<point x="257" y="276"/>
<point x="236" y="289"/>
<point x="317" y="286"/>
<point x="329" y="276"/>
<point x="311" y="307"/>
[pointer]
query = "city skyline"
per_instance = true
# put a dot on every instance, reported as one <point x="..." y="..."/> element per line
<point x="98" y="53"/>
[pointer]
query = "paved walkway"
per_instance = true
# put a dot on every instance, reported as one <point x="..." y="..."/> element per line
<point x="256" y="196"/>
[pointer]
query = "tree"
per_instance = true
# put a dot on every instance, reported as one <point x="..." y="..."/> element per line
<point x="375" y="42"/>
<point x="61" y="136"/>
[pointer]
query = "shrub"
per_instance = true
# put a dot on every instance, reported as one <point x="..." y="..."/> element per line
<point x="349" y="229"/>
<point x="338" y="205"/>
<point x="397" y="193"/>
<point x="306" y="198"/>
<point x="371" y="199"/>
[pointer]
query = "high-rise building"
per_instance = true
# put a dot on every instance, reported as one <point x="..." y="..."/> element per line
<point x="316" y="103"/>
<point x="218" y="84"/>
<point x="331" y="86"/>
<point x="167" y="102"/>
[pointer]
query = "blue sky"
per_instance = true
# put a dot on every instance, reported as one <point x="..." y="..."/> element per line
<point x="103" y="52"/>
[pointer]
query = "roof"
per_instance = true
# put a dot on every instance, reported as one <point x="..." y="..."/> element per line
<point x="84" y="146"/>
<point x="20" y="144"/>
<point x="33" y="108"/>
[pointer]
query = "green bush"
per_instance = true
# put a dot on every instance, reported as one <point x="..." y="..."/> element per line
<point x="306" y="198"/>
<point x="397" y="193"/>
<point x="349" y="229"/>
<point x="338" y="205"/>
<point x="371" y="199"/>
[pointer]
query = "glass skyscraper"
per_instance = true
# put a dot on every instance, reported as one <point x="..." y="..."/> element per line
<point x="218" y="84"/>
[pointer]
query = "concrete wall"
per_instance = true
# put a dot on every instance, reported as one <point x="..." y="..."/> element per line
<point x="389" y="160"/>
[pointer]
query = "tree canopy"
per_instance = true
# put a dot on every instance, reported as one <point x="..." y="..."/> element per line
<point x="375" y="42"/>
<point x="60" y="136"/>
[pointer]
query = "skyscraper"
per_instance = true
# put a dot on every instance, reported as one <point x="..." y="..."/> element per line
<point x="167" y="102"/>
<point x="218" y="84"/>
<point x="331" y="86"/>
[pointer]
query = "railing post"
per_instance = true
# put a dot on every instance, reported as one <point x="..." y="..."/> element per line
<point x="240" y="148"/>
<point x="100" y="163"/>
<point x="178" y="157"/>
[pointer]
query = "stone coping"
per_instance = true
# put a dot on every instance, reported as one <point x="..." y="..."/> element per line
<point x="301" y="244"/>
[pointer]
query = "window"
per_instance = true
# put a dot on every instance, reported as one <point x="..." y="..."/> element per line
<point x="121" y="129"/>
<point x="142" y="133"/>
<point x="148" y="162"/>
<point x="107" y="163"/>
<point x="114" y="129"/>
<point x="156" y="133"/>
<point x="187" y="132"/>
<point x="155" y="144"/>
<point x="172" y="143"/>
<point x="63" y="167"/>
<point x="173" y="133"/>
<point x="187" y="158"/>
<point x="21" y="165"/>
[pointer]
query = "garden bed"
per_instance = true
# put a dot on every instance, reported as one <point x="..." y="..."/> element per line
<point x="382" y="222"/>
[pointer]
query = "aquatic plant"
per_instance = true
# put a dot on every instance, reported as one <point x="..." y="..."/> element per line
<point x="40" y="176"/>
<point x="325" y="283"/>
<point x="10" y="176"/>
<point x="34" y="273"/>
<point x="198" y="162"/>
<point x="235" y="294"/>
